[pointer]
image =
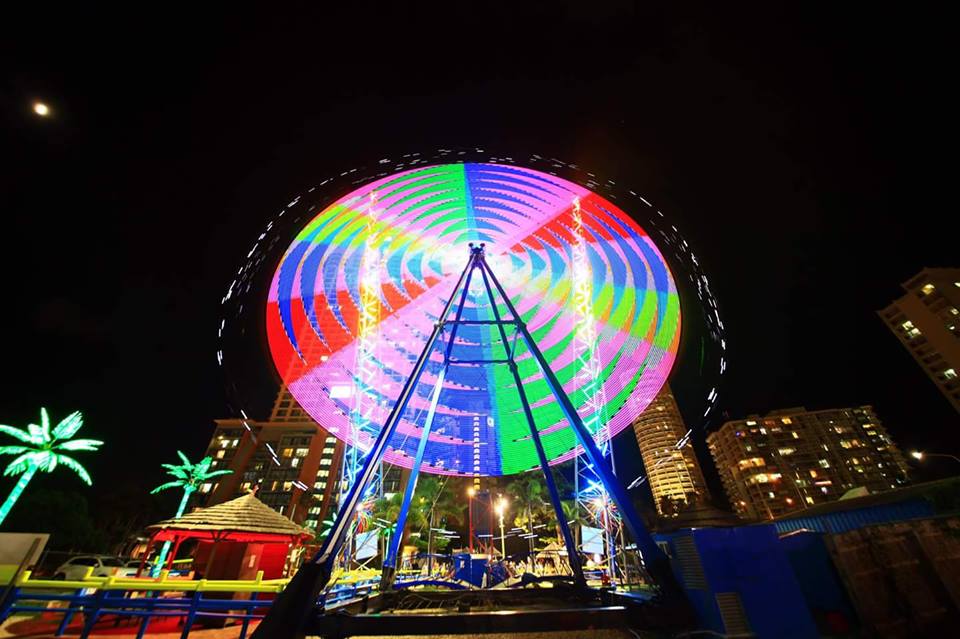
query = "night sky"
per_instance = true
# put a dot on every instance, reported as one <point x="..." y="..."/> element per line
<point x="801" y="152"/>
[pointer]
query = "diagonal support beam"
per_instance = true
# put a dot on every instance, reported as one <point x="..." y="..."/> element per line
<point x="390" y="560"/>
<point x="572" y="554"/>
<point x="291" y="610"/>
<point x="653" y="557"/>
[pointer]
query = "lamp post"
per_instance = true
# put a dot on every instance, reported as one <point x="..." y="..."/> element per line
<point x="470" y="493"/>
<point x="920" y="455"/>
<point x="501" y="506"/>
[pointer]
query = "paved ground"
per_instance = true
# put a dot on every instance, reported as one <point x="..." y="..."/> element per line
<point x="216" y="633"/>
<point x="234" y="632"/>
<point x="595" y="634"/>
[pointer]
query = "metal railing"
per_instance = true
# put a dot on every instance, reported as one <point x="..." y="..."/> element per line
<point x="96" y="598"/>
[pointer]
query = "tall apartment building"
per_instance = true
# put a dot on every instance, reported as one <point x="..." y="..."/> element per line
<point x="292" y="462"/>
<point x="927" y="322"/>
<point x="794" y="458"/>
<point x="672" y="471"/>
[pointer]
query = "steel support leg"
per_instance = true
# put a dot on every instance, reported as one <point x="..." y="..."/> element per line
<point x="654" y="558"/>
<point x="572" y="552"/>
<point x="288" y="615"/>
<point x="390" y="561"/>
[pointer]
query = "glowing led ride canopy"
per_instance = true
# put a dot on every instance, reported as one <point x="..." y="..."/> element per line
<point x="405" y="236"/>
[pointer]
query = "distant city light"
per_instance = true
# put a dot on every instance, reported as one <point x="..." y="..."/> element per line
<point x="916" y="454"/>
<point x="41" y="109"/>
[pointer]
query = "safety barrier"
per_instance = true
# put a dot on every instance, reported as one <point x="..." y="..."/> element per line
<point x="120" y="597"/>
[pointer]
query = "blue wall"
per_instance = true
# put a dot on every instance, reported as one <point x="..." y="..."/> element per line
<point x="750" y="561"/>
<point x="821" y="585"/>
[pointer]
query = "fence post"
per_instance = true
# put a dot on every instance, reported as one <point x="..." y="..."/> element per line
<point x="92" y="615"/>
<point x="192" y="614"/>
<point x="8" y="600"/>
<point x="68" y="614"/>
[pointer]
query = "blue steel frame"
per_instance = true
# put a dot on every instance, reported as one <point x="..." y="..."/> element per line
<point x="290" y="613"/>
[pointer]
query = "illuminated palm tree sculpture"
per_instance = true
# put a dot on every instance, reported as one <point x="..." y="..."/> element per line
<point x="190" y="477"/>
<point x="42" y="449"/>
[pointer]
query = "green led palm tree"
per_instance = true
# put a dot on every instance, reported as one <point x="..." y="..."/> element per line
<point x="41" y="450"/>
<point x="189" y="477"/>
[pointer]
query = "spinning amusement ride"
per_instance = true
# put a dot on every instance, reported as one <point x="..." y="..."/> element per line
<point x="472" y="319"/>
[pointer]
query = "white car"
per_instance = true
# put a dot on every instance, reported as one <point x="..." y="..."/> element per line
<point x="76" y="567"/>
<point x="131" y="567"/>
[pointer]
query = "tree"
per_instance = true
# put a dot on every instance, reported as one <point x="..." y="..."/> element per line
<point x="189" y="477"/>
<point x="529" y="492"/>
<point x="572" y="513"/>
<point x="437" y="506"/>
<point x="42" y="451"/>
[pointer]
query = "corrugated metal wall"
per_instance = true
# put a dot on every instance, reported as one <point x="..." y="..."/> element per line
<point x="844" y="521"/>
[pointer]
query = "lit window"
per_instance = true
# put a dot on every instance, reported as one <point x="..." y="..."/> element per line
<point x="323" y="473"/>
<point x="795" y="436"/>
<point x="954" y="311"/>
<point x="810" y="500"/>
<point x="787" y="451"/>
<point x="287" y="486"/>
<point x="206" y="487"/>
<point x="302" y="452"/>
<point x="913" y="332"/>
<point x="325" y="462"/>
<point x="786" y="420"/>
<point x="908" y="325"/>
<point x="235" y="443"/>
<point x="751" y="423"/>
<point x="824" y="463"/>
<point x="929" y="288"/>
<point x="287" y="452"/>
<point x="294" y="462"/>
<point x="813" y="473"/>
<point x="950" y="373"/>
<point x="220" y="454"/>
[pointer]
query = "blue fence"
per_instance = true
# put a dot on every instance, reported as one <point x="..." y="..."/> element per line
<point x="119" y="605"/>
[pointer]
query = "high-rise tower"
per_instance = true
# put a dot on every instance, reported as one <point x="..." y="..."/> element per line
<point x="927" y="322"/>
<point x="673" y="471"/>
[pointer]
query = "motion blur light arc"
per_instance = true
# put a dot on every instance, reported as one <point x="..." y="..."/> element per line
<point x="425" y="218"/>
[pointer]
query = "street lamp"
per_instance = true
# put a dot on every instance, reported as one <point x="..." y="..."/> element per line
<point x="920" y="455"/>
<point x="500" y="508"/>
<point x="471" y="491"/>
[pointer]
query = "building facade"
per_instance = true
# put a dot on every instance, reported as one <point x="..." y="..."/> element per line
<point x="670" y="462"/>
<point x="927" y="322"/>
<point x="794" y="458"/>
<point x="292" y="463"/>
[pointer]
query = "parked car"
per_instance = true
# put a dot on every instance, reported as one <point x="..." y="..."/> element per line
<point x="76" y="567"/>
<point x="131" y="567"/>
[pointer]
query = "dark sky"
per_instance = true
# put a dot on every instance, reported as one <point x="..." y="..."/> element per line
<point x="805" y="153"/>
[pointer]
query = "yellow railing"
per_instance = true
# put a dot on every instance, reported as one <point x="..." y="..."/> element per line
<point x="161" y="583"/>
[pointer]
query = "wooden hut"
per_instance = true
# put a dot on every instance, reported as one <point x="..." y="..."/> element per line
<point x="235" y="539"/>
